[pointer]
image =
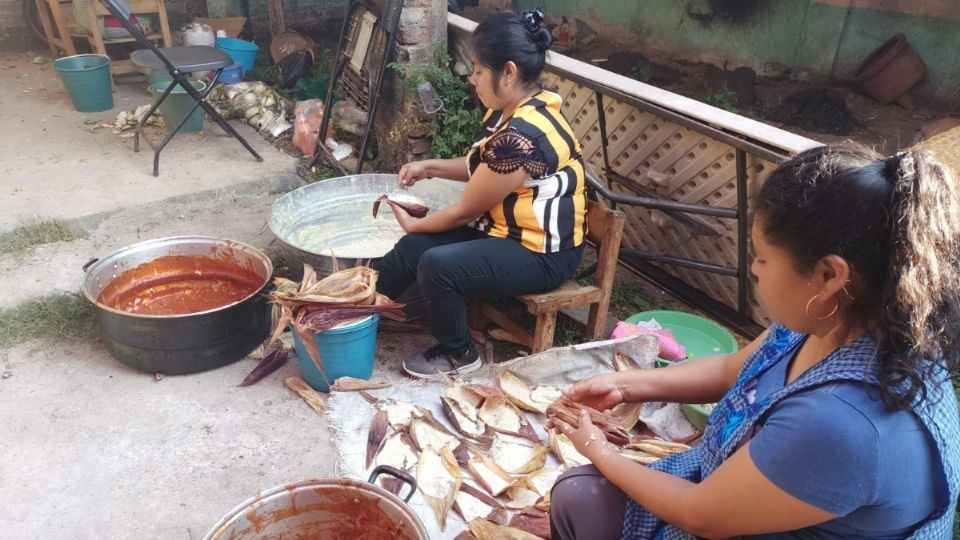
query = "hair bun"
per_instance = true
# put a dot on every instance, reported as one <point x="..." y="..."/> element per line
<point x="543" y="38"/>
<point x="532" y="21"/>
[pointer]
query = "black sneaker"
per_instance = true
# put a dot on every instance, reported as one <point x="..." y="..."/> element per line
<point x="436" y="360"/>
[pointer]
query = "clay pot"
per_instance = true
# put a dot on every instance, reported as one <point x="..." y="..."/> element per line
<point x="890" y="71"/>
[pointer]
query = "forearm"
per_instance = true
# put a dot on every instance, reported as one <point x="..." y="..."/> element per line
<point x="698" y="381"/>
<point x="451" y="169"/>
<point x="442" y="220"/>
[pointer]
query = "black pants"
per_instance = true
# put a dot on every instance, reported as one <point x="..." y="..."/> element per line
<point x="584" y="504"/>
<point x="451" y="266"/>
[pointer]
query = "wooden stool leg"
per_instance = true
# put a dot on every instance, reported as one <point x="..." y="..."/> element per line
<point x="543" y="336"/>
<point x="597" y="322"/>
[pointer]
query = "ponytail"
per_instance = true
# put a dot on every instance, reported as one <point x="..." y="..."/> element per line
<point x="921" y="293"/>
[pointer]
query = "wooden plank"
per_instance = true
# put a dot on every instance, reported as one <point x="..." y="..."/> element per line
<point x="275" y="17"/>
<point x="565" y="297"/>
<point x="498" y="318"/>
<point x="546" y="327"/>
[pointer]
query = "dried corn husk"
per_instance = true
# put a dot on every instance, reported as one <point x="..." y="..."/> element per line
<point x="521" y="497"/>
<point x="638" y="456"/>
<point x="490" y="475"/>
<point x="352" y="384"/>
<point x="464" y="394"/>
<point x="399" y="413"/>
<point x="397" y="451"/>
<point x="626" y="415"/>
<point x="532" y="520"/>
<point x="429" y="434"/>
<point x="569" y="411"/>
<point x="308" y="394"/>
<point x="472" y="503"/>
<point x="501" y="415"/>
<point x="543" y="503"/>
<point x="462" y="421"/>
<point x="377" y="432"/>
<point x="439" y="478"/>
<point x="657" y="447"/>
<point x="561" y="447"/>
<point x="517" y="455"/>
<point x="542" y="481"/>
<point x="519" y="393"/>
<point x="410" y="204"/>
<point x="487" y="530"/>
<point x="485" y="391"/>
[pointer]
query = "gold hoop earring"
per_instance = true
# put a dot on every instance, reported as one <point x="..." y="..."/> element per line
<point x="846" y="292"/>
<point x="828" y="315"/>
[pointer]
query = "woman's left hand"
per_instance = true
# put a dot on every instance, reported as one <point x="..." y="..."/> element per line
<point x="587" y="438"/>
<point x="407" y="222"/>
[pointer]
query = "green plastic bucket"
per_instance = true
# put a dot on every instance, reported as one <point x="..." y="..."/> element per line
<point x="175" y="107"/>
<point x="87" y="80"/>
<point x="346" y="351"/>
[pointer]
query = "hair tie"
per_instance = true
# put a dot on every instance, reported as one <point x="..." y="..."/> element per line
<point x="531" y="20"/>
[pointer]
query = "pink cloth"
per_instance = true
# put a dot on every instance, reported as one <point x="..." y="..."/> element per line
<point x="670" y="349"/>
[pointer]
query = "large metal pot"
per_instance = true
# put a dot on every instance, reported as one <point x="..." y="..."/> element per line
<point x="180" y="344"/>
<point x="324" y="508"/>
<point x="333" y="218"/>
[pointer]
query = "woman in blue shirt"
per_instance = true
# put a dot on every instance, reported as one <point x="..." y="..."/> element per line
<point x="840" y="420"/>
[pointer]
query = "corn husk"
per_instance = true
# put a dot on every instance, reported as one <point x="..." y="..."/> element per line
<point x="486" y="530"/>
<point x="564" y="450"/>
<point x="517" y="455"/>
<point x="543" y="503"/>
<point x="521" y="497"/>
<point x="352" y="384"/>
<point x="638" y="456"/>
<point x="399" y="413"/>
<point x="308" y="394"/>
<point x="485" y="391"/>
<point x="657" y="447"/>
<point x="439" y="478"/>
<point x="501" y="415"/>
<point x="412" y="205"/>
<point x="569" y="411"/>
<point x="397" y="451"/>
<point x="542" y="481"/>
<point x="472" y="503"/>
<point x="623" y="362"/>
<point x="375" y="435"/>
<point x="625" y="415"/>
<point x="429" y="434"/>
<point x="489" y="475"/>
<point x="461" y="393"/>
<point x="519" y="393"/>
<point x="462" y="421"/>
<point x="532" y="520"/>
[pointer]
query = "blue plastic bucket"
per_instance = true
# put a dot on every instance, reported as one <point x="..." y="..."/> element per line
<point x="175" y="107"/>
<point x="232" y="74"/>
<point x="87" y="80"/>
<point x="346" y="351"/>
<point x="241" y="51"/>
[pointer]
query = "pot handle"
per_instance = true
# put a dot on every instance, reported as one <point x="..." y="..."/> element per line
<point x="398" y="474"/>
<point x="90" y="262"/>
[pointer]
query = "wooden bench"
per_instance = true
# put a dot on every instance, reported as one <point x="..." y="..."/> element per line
<point x="605" y="230"/>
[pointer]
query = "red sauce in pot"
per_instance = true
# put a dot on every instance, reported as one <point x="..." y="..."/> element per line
<point x="179" y="285"/>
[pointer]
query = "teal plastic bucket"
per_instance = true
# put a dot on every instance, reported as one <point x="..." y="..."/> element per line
<point x="175" y="107"/>
<point x="241" y="51"/>
<point x="346" y="351"/>
<point x="87" y="80"/>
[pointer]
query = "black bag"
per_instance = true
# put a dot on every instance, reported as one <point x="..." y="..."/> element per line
<point x="294" y="66"/>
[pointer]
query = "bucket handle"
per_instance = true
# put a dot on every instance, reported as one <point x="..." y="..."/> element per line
<point x="86" y="266"/>
<point x="396" y="473"/>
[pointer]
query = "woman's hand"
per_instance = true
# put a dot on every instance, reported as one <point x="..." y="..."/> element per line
<point x="411" y="173"/>
<point x="587" y="438"/>
<point x="600" y="393"/>
<point x="407" y="222"/>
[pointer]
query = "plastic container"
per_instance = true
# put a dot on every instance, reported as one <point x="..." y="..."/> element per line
<point x="158" y="76"/>
<point x="700" y="336"/>
<point x="198" y="34"/>
<point x="241" y="51"/>
<point x="345" y="351"/>
<point x="87" y="79"/>
<point x="232" y="74"/>
<point x="175" y="107"/>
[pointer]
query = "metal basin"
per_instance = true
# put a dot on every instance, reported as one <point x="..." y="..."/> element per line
<point x="333" y="218"/>
<point x="180" y="344"/>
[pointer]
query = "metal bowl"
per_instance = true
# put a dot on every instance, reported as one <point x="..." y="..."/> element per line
<point x="179" y="344"/>
<point x="333" y="218"/>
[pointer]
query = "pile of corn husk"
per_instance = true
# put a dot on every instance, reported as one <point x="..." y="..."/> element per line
<point x="314" y="305"/>
<point x="127" y="120"/>
<point x="256" y="103"/>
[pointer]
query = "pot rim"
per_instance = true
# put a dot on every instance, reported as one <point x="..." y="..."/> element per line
<point x="173" y="239"/>
<point x="251" y="503"/>
<point x="886" y="51"/>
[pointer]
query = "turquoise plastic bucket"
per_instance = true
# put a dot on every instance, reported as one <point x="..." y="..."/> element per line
<point x="241" y="51"/>
<point x="87" y="80"/>
<point x="175" y="107"/>
<point x="346" y="351"/>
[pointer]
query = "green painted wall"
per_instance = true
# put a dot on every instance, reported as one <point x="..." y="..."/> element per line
<point x="829" y="40"/>
<point x="306" y="16"/>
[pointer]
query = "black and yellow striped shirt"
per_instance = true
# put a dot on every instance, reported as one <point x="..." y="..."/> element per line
<point x="547" y="213"/>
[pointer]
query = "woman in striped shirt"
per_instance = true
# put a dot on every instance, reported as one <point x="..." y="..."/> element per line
<point x="520" y="224"/>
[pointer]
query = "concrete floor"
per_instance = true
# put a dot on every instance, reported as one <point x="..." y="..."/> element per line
<point x="88" y="447"/>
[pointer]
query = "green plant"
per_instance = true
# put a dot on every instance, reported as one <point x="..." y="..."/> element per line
<point x="39" y="230"/>
<point x="458" y="124"/>
<point x="54" y="316"/>
<point x="724" y="99"/>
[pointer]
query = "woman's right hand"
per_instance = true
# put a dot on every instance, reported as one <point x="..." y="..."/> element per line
<point x="601" y="392"/>
<point x="411" y="173"/>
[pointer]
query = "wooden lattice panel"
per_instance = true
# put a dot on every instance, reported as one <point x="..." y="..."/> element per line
<point x="674" y="163"/>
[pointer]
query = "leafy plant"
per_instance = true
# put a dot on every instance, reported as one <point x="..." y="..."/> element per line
<point x="725" y="100"/>
<point x="458" y="124"/>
